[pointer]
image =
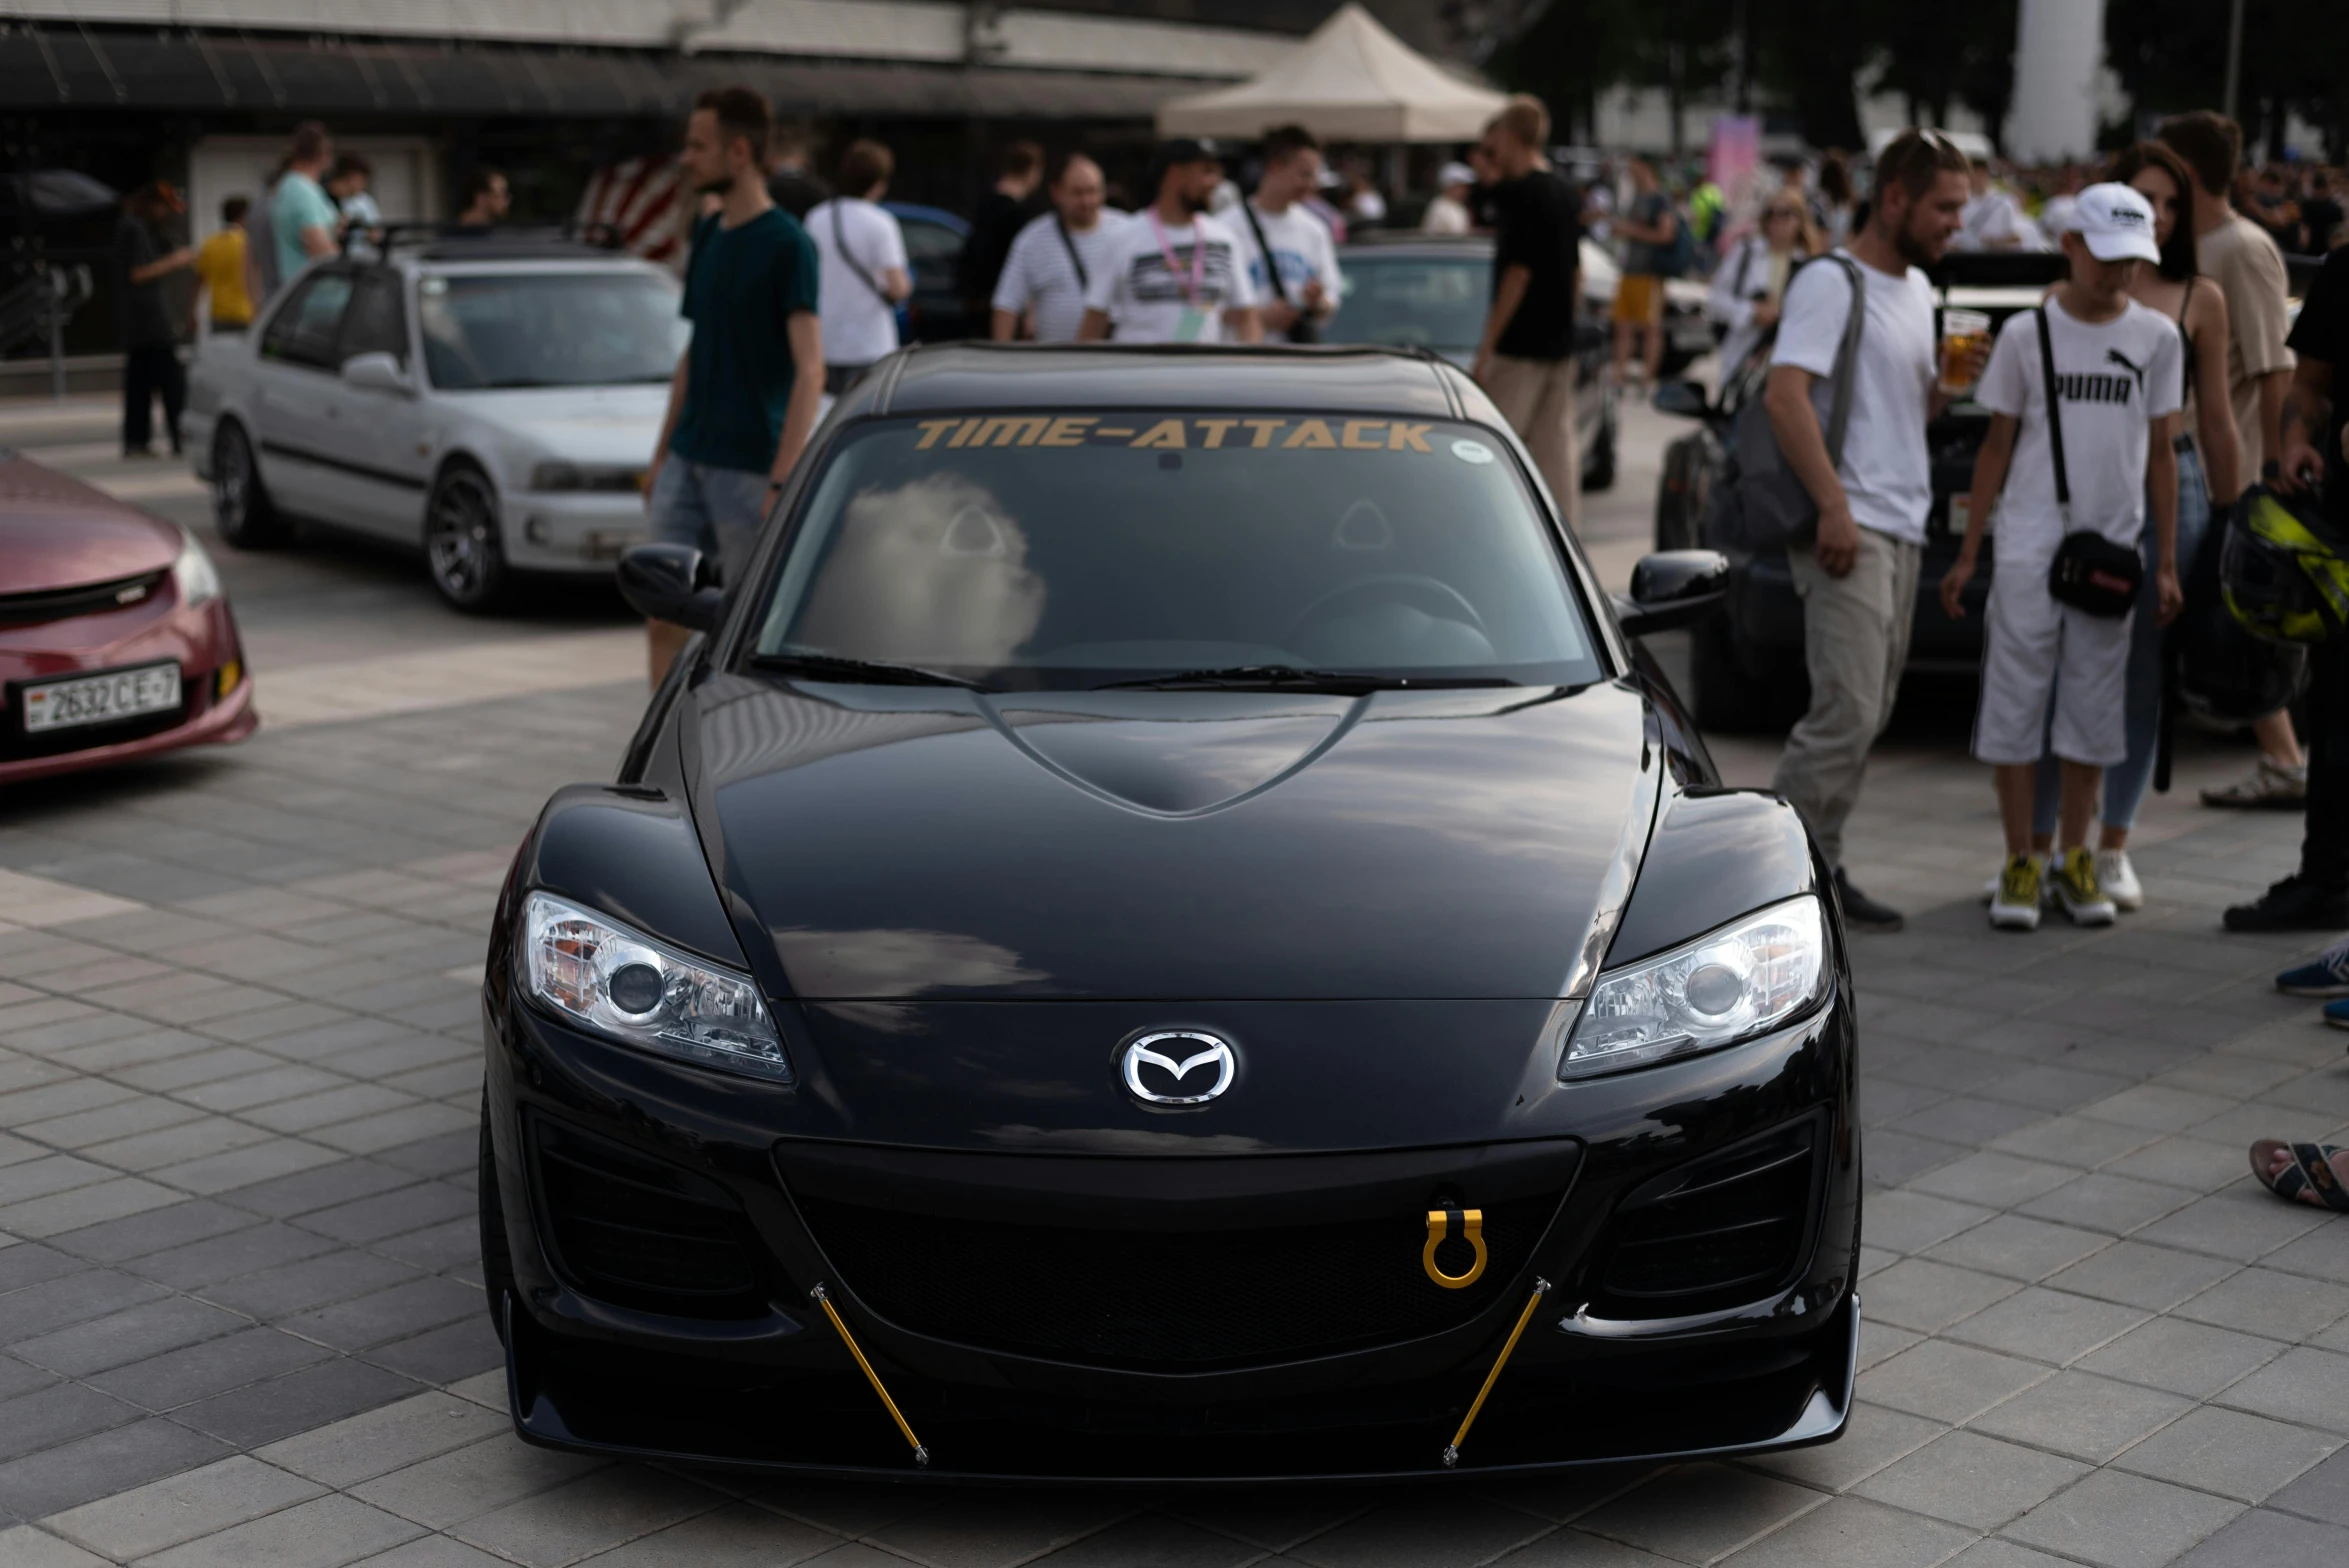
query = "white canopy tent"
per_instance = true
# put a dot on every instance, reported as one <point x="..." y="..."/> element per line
<point x="1350" y="81"/>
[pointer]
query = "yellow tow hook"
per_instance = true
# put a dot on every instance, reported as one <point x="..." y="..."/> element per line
<point x="1468" y="1225"/>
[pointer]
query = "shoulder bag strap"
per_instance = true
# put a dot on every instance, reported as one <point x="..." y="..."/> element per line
<point x="1272" y="265"/>
<point x="2055" y="423"/>
<point x="1084" y="280"/>
<point x="1745" y="260"/>
<point x="840" y="243"/>
<point x="1847" y="359"/>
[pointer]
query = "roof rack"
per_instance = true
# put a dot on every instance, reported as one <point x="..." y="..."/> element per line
<point x="526" y="238"/>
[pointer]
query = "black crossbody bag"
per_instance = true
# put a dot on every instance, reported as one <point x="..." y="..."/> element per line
<point x="2089" y="571"/>
<point x="1304" y="329"/>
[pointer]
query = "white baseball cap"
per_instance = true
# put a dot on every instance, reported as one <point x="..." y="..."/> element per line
<point x="1455" y="174"/>
<point x="2116" y="222"/>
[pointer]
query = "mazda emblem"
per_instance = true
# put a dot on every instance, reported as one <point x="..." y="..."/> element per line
<point x="1178" y="1067"/>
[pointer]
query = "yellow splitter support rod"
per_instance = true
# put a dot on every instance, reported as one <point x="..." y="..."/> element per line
<point x="823" y="1298"/>
<point x="1541" y="1288"/>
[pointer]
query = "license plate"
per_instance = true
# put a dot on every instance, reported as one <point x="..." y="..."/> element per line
<point x="100" y="699"/>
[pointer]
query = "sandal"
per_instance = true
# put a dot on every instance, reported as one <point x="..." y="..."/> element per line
<point x="2311" y="1170"/>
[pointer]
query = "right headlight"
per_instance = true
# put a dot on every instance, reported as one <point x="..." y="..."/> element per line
<point x="1747" y="978"/>
<point x="622" y="984"/>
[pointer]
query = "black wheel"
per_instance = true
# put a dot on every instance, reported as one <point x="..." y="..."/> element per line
<point x="240" y="504"/>
<point x="461" y="543"/>
<point x="1738" y="692"/>
<point x="497" y="1261"/>
<point x="1599" y="472"/>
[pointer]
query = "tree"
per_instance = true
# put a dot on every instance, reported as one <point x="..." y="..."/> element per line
<point x="1935" y="56"/>
<point x="2171" y="56"/>
<point x="1811" y="52"/>
<point x="1572" y="51"/>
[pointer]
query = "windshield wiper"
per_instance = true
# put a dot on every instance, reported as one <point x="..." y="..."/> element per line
<point x="1266" y="677"/>
<point x="868" y="672"/>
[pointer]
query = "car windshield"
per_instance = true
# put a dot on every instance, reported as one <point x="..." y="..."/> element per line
<point x="1042" y="550"/>
<point x="1434" y="302"/>
<point x="549" y="329"/>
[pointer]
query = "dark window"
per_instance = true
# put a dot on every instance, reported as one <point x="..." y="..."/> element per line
<point x="375" y="323"/>
<point x="306" y="330"/>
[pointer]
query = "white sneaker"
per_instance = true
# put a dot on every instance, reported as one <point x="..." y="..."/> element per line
<point x="2268" y="785"/>
<point x="2119" y="879"/>
<point x="2015" y="904"/>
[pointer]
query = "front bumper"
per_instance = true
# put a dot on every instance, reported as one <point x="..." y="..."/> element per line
<point x="203" y="640"/>
<point x="576" y="533"/>
<point x="774" y="1387"/>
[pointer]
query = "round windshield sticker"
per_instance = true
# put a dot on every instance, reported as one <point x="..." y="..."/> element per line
<point x="1472" y="451"/>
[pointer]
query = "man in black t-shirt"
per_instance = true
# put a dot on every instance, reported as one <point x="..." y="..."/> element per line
<point x="790" y="184"/>
<point x="1526" y="358"/>
<point x="1003" y="212"/>
<point x="150" y="353"/>
<point x="2315" y="412"/>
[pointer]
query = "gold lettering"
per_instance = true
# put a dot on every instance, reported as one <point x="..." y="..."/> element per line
<point x="1014" y="431"/>
<point x="1068" y="431"/>
<point x="1352" y="439"/>
<point x="1402" y="437"/>
<point x="1166" y="433"/>
<point x="1212" y="432"/>
<point x="1312" y="433"/>
<point x="1124" y="431"/>
<point x="1264" y="429"/>
<point x="931" y="430"/>
<point x="962" y="437"/>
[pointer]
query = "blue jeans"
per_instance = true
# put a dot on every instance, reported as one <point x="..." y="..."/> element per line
<point x="718" y="511"/>
<point x="2124" y="786"/>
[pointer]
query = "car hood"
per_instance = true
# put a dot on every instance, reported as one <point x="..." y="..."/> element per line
<point x="902" y="843"/>
<point x="56" y="533"/>
<point x="574" y="424"/>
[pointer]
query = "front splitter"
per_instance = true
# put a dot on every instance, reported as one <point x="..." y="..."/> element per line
<point x="592" y="1398"/>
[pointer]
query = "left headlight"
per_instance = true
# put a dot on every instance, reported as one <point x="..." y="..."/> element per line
<point x="623" y="984"/>
<point x="193" y="573"/>
<point x="1745" y="979"/>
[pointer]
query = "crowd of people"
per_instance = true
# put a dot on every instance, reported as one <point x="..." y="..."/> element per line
<point x="2157" y="381"/>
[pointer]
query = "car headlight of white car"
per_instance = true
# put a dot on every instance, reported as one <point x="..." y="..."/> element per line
<point x="1747" y="978"/>
<point x="597" y="973"/>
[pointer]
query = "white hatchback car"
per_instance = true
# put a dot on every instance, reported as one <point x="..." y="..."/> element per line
<point x="492" y="400"/>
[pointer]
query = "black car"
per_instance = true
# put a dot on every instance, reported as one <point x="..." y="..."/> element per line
<point x="1432" y="292"/>
<point x="1746" y="668"/>
<point x="1166" y="929"/>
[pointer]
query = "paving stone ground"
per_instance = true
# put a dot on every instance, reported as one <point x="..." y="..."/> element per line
<point x="240" y="1312"/>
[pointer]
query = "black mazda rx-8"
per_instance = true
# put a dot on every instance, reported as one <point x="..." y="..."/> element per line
<point x="1167" y="929"/>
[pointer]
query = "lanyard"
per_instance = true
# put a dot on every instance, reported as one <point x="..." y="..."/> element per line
<point x="1198" y="256"/>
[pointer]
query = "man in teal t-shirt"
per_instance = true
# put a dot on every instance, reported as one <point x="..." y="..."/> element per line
<point x="303" y="219"/>
<point x="746" y="391"/>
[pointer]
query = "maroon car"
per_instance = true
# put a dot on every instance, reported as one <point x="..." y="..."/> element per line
<point x="116" y="640"/>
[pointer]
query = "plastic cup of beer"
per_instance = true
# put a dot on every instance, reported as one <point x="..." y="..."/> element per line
<point x="1965" y="334"/>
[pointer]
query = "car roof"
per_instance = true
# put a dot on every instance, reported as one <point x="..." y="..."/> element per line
<point x="980" y="375"/>
<point x="1463" y="247"/>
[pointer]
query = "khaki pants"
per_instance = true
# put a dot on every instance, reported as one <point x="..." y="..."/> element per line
<point x="1856" y="639"/>
<point x="1536" y="396"/>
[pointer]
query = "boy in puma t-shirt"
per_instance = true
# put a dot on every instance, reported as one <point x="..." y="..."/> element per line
<point x="2117" y="386"/>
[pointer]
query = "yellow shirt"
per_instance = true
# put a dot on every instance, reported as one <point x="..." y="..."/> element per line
<point x="220" y="265"/>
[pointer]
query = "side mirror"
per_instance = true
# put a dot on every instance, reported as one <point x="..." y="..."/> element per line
<point x="1685" y="398"/>
<point x="1672" y="588"/>
<point x="377" y="372"/>
<point x="670" y="582"/>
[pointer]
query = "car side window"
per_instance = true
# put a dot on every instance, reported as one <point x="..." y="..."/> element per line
<point x="375" y="323"/>
<point x="305" y="332"/>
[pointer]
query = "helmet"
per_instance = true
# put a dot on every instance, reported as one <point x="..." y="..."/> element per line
<point x="2282" y="571"/>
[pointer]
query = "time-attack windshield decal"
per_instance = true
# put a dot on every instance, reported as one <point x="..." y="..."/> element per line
<point x="1194" y="433"/>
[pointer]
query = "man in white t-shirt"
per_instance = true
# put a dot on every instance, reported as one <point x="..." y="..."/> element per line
<point x="1993" y="220"/>
<point x="2055" y="676"/>
<point x="860" y="253"/>
<point x="1053" y="259"/>
<point x="1171" y="273"/>
<point x="1297" y="287"/>
<point x="1858" y="578"/>
<point x="1448" y="212"/>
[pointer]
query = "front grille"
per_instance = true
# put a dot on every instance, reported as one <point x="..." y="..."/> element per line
<point x="58" y="604"/>
<point x="640" y="1232"/>
<point x="1730" y="1228"/>
<point x="1183" y="1300"/>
